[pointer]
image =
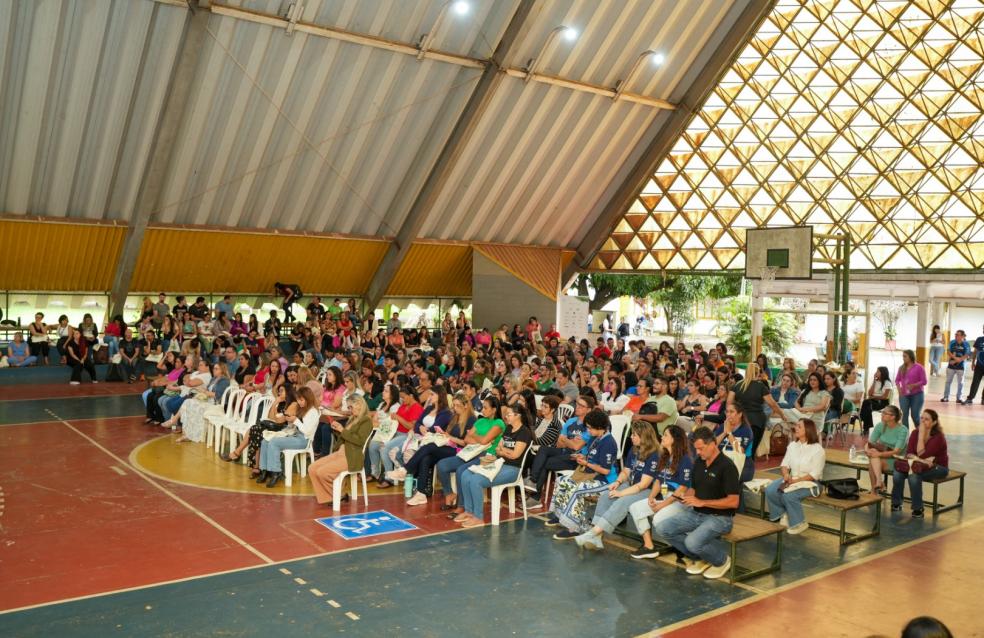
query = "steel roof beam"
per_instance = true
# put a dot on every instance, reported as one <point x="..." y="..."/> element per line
<point x="462" y="132"/>
<point x="161" y="150"/>
<point x="596" y="232"/>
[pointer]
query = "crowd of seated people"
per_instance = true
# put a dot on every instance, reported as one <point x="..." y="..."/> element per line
<point x="534" y="405"/>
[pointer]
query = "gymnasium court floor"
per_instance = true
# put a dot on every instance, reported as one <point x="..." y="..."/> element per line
<point x="108" y="526"/>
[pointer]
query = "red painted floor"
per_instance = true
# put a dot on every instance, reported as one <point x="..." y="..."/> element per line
<point x="897" y="588"/>
<point x="74" y="526"/>
<point x="66" y="391"/>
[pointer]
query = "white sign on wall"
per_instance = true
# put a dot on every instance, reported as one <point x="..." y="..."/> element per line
<point x="573" y="319"/>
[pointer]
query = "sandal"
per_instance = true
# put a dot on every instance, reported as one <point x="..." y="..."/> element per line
<point x="384" y="484"/>
<point x="229" y="457"/>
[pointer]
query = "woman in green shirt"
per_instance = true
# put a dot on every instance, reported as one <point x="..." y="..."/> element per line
<point x="488" y="430"/>
<point x="888" y="439"/>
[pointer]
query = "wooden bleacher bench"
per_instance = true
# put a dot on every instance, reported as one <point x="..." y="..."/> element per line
<point x="841" y="458"/>
<point x="844" y="506"/>
<point x="744" y="529"/>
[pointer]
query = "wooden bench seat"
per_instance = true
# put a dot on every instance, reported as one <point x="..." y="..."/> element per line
<point x="844" y="506"/>
<point x="744" y="529"/>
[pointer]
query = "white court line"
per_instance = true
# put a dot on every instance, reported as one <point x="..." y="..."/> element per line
<point x="333" y="604"/>
<point x="117" y="470"/>
<point x="300" y="581"/>
<point x="205" y="517"/>
<point x="351" y="615"/>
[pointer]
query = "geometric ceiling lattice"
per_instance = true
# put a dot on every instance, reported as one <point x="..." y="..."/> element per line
<point x="853" y="116"/>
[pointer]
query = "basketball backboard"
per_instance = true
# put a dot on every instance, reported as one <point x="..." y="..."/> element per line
<point x="787" y="252"/>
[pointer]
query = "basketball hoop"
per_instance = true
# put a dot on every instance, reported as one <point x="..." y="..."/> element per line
<point x="769" y="273"/>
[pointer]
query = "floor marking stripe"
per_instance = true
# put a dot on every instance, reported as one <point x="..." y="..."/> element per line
<point x="333" y="604"/>
<point x="205" y="517"/>
<point x="284" y="571"/>
<point x="300" y="581"/>
<point x="117" y="470"/>
<point x="316" y="592"/>
<point x="234" y="570"/>
<point x="660" y="631"/>
<point x="351" y="615"/>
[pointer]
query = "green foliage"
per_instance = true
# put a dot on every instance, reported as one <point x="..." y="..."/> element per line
<point x="679" y="293"/>
<point x="736" y="322"/>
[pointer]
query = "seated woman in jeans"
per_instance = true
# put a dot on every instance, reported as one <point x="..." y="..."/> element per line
<point x="487" y="431"/>
<point x="802" y="470"/>
<point x="406" y="417"/>
<point x="296" y="438"/>
<point x="421" y="466"/>
<point x="927" y="459"/>
<point x="567" y="507"/>
<point x="511" y="448"/>
<point x="18" y="353"/>
<point x="631" y="486"/>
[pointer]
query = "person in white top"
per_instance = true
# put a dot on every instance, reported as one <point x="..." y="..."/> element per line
<point x="295" y="437"/>
<point x="802" y="469"/>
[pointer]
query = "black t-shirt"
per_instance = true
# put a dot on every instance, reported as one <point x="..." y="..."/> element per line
<point x="715" y="481"/>
<point x="198" y="312"/>
<point x="315" y="310"/>
<point x="179" y="309"/>
<point x="751" y="399"/>
<point x="129" y="348"/>
<point x="510" y="439"/>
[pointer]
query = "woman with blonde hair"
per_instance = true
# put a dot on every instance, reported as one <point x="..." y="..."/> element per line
<point x="753" y="395"/>
<point x="295" y="437"/>
<point x="631" y="486"/>
<point x="347" y="451"/>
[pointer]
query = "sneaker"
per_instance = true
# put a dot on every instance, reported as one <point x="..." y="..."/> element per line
<point x="552" y="521"/>
<point x="565" y="535"/>
<point x="94" y="381"/>
<point x="917" y="513"/>
<point x="695" y="567"/>
<point x="533" y="503"/>
<point x="73" y="383"/>
<point x="645" y="552"/>
<point x="896" y="508"/>
<point x="944" y="400"/>
<point x="417" y="499"/>
<point x="784" y="520"/>
<point x="799" y="529"/>
<point x="528" y="484"/>
<point x="397" y="475"/>
<point x="588" y="540"/>
<point x="717" y="571"/>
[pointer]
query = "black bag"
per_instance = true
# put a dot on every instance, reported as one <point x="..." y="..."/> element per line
<point x="298" y="293"/>
<point x="114" y="374"/>
<point x="845" y="489"/>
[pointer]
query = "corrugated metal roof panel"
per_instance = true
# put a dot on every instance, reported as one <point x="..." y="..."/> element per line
<point x="537" y="266"/>
<point x="191" y="259"/>
<point x="434" y="270"/>
<point x="44" y="255"/>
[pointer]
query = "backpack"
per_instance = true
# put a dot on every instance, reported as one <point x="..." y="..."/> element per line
<point x="298" y="293"/>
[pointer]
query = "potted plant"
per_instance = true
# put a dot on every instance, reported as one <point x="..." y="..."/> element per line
<point x="889" y="333"/>
<point x="888" y="313"/>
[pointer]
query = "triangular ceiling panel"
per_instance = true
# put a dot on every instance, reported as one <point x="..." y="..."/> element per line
<point x="848" y="115"/>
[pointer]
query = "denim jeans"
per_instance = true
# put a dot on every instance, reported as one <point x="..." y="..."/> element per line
<point x="915" y="485"/>
<point x="950" y="374"/>
<point x="453" y="465"/>
<point x="379" y="457"/>
<point x="610" y="512"/>
<point x="472" y="488"/>
<point x="789" y="503"/>
<point x="112" y="344"/>
<point x="912" y="405"/>
<point x="143" y="395"/>
<point x="935" y="355"/>
<point x="696" y="535"/>
<point x="396" y="443"/>
<point x="171" y="405"/>
<point x="271" y="451"/>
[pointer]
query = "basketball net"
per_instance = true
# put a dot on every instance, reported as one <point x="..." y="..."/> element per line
<point x="769" y="273"/>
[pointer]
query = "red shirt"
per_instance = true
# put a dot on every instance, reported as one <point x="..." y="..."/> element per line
<point x="602" y="350"/>
<point x="410" y="413"/>
<point x="553" y="334"/>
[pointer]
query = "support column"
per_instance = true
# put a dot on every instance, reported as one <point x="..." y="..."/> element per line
<point x="757" y="310"/>
<point x="922" y="325"/>
<point x="833" y="289"/>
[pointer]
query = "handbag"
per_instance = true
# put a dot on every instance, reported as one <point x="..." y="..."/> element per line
<point x="778" y="441"/>
<point x="471" y="451"/>
<point x="846" y="489"/>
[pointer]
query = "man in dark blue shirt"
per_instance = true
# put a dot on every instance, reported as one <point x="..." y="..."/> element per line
<point x="977" y="365"/>
<point x="959" y="351"/>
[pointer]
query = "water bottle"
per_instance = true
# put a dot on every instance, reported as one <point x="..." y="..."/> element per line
<point x="664" y="490"/>
<point x="408" y="486"/>
<point x="852" y="454"/>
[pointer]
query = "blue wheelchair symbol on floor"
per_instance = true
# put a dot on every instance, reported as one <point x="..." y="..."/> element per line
<point x="352" y="526"/>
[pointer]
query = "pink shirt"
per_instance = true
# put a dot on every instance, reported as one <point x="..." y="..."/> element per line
<point x="916" y="375"/>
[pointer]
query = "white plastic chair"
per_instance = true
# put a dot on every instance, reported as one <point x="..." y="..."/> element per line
<point x="565" y="411"/>
<point x="497" y="490"/>
<point x="218" y="411"/>
<point x="336" y="486"/>
<point x="240" y="429"/>
<point x="236" y="406"/>
<point x="241" y="416"/>
<point x="303" y="457"/>
<point x="620" y="427"/>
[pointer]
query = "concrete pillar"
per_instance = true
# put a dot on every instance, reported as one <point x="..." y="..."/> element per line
<point x="922" y="325"/>
<point x="830" y="338"/>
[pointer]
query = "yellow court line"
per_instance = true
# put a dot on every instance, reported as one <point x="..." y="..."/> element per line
<point x="205" y="517"/>
<point x="660" y="631"/>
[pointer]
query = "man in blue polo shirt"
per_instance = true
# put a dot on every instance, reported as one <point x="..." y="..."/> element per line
<point x="977" y="365"/>
<point x="959" y="352"/>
